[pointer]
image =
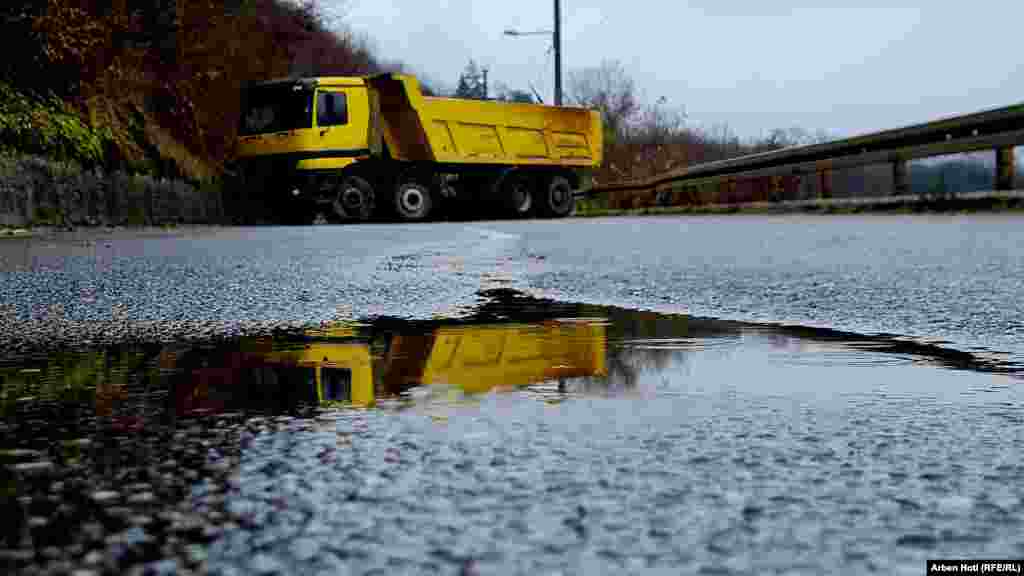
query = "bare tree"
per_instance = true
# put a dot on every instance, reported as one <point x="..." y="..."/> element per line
<point x="643" y="139"/>
<point x="659" y="133"/>
<point x="793" y="136"/>
<point x="607" y="88"/>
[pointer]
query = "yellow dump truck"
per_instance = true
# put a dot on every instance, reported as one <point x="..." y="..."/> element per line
<point x="352" y="148"/>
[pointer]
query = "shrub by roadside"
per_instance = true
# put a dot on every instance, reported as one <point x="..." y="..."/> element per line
<point x="31" y="124"/>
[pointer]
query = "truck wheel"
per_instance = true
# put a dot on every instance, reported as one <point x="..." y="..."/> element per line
<point x="518" y="194"/>
<point x="354" y="200"/>
<point x="413" y="201"/>
<point x="556" y="198"/>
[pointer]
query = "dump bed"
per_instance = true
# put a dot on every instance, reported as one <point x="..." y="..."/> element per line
<point x="451" y="130"/>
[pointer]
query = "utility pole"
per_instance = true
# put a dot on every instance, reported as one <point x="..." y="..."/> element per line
<point x="556" y="36"/>
<point x="558" y="52"/>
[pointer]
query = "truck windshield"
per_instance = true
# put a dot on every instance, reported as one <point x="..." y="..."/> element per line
<point x="275" y="109"/>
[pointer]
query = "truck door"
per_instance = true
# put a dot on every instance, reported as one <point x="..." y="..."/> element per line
<point x="342" y="118"/>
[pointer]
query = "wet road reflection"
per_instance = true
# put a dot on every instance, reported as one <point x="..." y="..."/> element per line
<point x="104" y="451"/>
<point x="512" y="341"/>
<point x="358" y="366"/>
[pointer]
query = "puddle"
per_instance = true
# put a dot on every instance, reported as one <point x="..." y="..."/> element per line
<point x="511" y="342"/>
<point x="113" y="440"/>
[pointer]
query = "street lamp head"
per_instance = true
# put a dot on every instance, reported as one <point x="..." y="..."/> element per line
<point x="511" y="32"/>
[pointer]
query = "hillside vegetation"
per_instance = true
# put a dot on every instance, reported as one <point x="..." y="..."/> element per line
<point x="153" y="87"/>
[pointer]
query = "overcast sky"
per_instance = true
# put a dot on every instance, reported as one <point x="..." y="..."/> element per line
<point x="844" y="66"/>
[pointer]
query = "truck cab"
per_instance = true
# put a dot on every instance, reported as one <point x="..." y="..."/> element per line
<point x="295" y="138"/>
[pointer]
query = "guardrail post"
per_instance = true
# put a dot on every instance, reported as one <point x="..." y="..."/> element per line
<point x="900" y="182"/>
<point x="1005" y="169"/>
<point x="825" y="183"/>
<point x="31" y="201"/>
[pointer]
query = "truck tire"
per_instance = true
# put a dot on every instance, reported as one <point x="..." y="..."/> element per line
<point x="354" y="200"/>
<point x="517" y="193"/>
<point x="556" y="199"/>
<point x="413" y="201"/>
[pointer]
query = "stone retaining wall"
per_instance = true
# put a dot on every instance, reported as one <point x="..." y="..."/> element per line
<point x="36" y="190"/>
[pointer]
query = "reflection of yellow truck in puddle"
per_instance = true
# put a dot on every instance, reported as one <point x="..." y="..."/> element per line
<point x="344" y="369"/>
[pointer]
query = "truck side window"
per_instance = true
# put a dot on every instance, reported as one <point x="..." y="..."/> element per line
<point x="331" y="109"/>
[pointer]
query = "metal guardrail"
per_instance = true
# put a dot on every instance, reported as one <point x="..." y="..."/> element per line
<point x="1000" y="129"/>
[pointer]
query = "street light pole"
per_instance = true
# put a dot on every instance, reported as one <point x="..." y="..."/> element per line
<point x="556" y="37"/>
<point x="558" y="52"/>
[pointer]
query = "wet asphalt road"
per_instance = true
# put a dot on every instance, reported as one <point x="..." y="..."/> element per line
<point x="749" y="450"/>
<point x="943" y="278"/>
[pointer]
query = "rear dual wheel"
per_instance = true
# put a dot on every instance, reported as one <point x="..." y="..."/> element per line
<point x="523" y="195"/>
<point x="517" y="189"/>
<point x="556" y="197"/>
<point x="527" y="194"/>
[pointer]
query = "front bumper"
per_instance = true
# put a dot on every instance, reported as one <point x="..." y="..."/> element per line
<point x="268" y="178"/>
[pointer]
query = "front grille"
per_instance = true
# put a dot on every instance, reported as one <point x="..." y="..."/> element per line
<point x="269" y="175"/>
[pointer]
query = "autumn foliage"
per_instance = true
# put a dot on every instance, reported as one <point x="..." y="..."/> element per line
<point x="163" y="77"/>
